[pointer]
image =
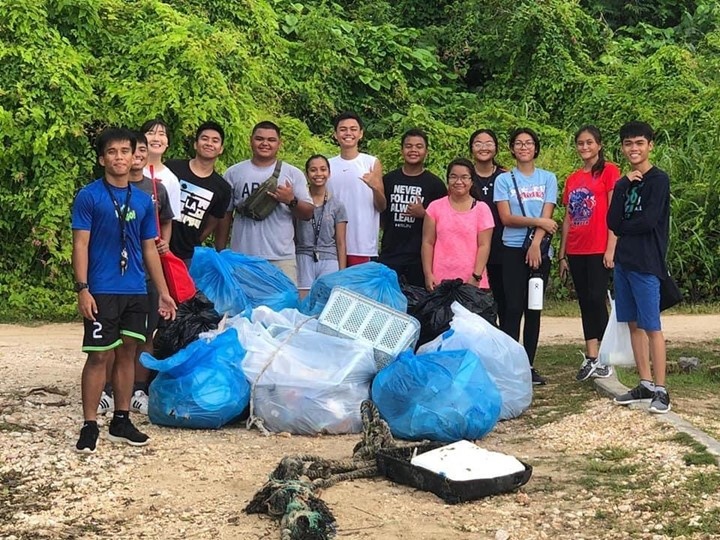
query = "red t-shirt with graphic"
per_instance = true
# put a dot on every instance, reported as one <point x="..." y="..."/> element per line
<point x="586" y="200"/>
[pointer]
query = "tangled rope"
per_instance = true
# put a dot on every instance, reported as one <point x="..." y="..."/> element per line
<point x="291" y="493"/>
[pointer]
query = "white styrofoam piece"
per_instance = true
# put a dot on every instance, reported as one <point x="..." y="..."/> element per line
<point x="464" y="460"/>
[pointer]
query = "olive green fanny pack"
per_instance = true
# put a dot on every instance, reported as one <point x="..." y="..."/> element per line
<point x="260" y="204"/>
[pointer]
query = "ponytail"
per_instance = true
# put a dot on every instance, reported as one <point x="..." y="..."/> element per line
<point x="599" y="165"/>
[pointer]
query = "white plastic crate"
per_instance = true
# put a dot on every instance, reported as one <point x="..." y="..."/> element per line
<point x="351" y="315"/>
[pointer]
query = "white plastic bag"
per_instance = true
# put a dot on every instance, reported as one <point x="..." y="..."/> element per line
<point x="504" y="358"/>
<point x="616" y="347"/>
<point x="305" y="382"/>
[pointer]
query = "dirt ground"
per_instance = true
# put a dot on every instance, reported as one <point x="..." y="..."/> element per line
<point x="194" y="484"/>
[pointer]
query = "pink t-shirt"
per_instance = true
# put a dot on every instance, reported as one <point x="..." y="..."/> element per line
<point x="456" y="239"/>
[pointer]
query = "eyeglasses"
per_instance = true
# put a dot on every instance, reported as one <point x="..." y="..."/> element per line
<point x="524" y="144"/>
<point x="483" y="145"/>
<point x="465" y="178"/>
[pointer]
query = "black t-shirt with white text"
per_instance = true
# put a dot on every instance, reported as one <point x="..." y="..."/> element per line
<point x="402" y="234"/>
<point x="200" y="198"/>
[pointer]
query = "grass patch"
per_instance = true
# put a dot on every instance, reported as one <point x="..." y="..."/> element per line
<point x="699" y="454"/>
<point x="708" y="526"/>
<point x="563" y="395"/>
<point x="569" y="308"/>
<point x="704" y="483"/>
<point x="614" y="453"/>
<point x="10" y="427"/>
<point x="612" y="476"/>
<point x="689" y="385"/>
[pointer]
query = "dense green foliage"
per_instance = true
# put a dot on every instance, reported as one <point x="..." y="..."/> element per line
<point x="70" y="67"/>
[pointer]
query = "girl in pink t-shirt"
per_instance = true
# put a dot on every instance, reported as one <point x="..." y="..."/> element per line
<point x="587" y="247"/>
<point x="457" y="232"/>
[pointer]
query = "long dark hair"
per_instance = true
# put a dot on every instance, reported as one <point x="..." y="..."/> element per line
<point x="599" y="166"/>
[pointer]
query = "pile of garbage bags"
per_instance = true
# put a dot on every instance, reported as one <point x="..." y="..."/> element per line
<point x="237" y="283"/>
<point x="200" y="386"/>
<point x="245" y="345"/>
<point x="305" y="382"/>
<point x="433" y="309"/>
<point x="373" y="280"/>
<point x="442" y="396"/>
<point x="504" y="359"/>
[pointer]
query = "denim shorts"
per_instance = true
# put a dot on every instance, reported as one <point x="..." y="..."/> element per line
<point x="637" y="298"/>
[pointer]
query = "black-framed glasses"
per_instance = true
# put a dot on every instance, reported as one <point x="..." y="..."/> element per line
<point x="524" y="144"/>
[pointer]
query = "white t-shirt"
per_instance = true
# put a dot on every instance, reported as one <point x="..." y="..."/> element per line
<point x="172" y="186"/>
<point x="347" y="185"/>
<point x="273" y="238"/>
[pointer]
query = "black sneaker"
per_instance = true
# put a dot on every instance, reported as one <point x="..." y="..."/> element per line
<point x="537" y="379"/>
<point x="587" y="368"/>
<point x="87" y="443"/>
<point x="601" y="371"/>
<point x="124" y="431"/>
<point x="660" y="403"/>
<point x="637" y="394"/>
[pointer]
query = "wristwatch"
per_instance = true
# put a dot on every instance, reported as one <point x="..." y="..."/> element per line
<point x="79" y="286"/>
<point x="477" y="277"/>
<point x="293" y="203"/>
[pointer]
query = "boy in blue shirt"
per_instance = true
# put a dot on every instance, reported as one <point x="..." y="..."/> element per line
<point x="639" y="215"/>
<point x="113" y="233"/>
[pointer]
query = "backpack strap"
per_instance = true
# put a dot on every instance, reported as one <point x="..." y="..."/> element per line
<point x="276" y="171"/>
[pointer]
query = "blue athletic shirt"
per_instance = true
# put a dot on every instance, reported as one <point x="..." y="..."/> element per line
<point x="93" y="211"/>
<point x="535" y="190"/>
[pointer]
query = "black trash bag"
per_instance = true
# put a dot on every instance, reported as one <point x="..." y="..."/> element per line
<point x="414" y="295"/>
<point x="193" y="317"/>
<point x="434" y="311"/>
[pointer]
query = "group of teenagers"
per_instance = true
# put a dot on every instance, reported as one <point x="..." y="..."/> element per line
<point x="487" y="224"/>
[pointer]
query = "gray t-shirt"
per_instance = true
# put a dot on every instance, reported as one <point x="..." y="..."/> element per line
<point x="162" y="204"/>
<point x="271" y="238"/>
<point x="327" y="219"/>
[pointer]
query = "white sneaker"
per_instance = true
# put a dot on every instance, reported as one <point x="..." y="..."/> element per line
<point x="139" y="402"/>
<point x="107" y="403"/>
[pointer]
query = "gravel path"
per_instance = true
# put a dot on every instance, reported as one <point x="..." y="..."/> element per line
<point x="194" y="484"/>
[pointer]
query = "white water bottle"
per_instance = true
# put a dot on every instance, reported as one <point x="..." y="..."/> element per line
<point x="535" y="292"/>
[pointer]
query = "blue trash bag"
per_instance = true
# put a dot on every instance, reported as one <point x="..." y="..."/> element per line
<point x="504" y="358"/>
<point x="237" y="283"/>
<point x="202" y="386"/>
<point x="374" y="280"/>
<point x="444" y="396"/>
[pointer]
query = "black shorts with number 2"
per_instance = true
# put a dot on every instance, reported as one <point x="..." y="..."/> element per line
<point x="118" y="315"/>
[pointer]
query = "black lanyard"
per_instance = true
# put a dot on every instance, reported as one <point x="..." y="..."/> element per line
<point x="316" y="225"/>
<point x="121" y="214"/>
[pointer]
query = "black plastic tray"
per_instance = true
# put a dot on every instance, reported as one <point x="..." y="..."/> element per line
<point x="394" y="463"/>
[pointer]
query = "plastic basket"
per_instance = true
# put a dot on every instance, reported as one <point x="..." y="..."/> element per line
<point x="351" y="315"/>
<point x="394" y="463"/>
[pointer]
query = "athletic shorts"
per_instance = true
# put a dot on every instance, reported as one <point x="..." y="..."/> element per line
<point x="153" y="318"/>
<point x="288" y="266"/>
<point x="118" y="315"/>
<point x="354" y="260"/>
<point x="637" y="298"/>
<point x="309" y="270"/>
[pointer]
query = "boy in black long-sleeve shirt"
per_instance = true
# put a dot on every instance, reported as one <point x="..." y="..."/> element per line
<point x="639" y="215"/>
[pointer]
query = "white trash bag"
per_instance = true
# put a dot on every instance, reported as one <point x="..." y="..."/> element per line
<point x="504" y="358"/>
<point x="304" y="382"/>
<point x="616" y="347"/>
